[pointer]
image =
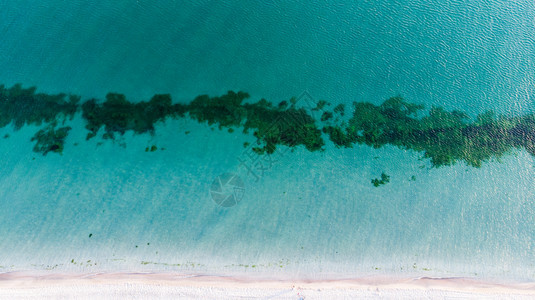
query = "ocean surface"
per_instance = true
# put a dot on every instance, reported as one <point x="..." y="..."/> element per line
<point x="110" y="205"/>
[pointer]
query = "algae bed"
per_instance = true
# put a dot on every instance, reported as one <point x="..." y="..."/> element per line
<point x="444" y="137"/>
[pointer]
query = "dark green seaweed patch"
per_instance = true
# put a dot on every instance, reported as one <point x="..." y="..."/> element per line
<point x="444" y="137"/>
<point x="290" y="127"/>
<point x="23" y="106"/>
<point x="118" y="115"/>
<point x="225" y="111"/>
<point x="50" y="139"/>
<point x="272" y="126"/>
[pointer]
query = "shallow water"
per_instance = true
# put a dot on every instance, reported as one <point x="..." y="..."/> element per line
<point x="310" y="214"/>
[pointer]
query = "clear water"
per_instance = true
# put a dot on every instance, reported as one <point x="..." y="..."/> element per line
<point x="309" y="214"/>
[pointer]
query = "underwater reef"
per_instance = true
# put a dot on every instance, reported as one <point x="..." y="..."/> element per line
<point x="444" y="137"/>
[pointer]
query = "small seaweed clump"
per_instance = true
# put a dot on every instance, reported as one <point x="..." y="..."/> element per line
<point x="118" y="115"/>
<point x="50" y="139"/>
<point x="384" y="180"/>
<point x="23" y="106"/>
<point x="339" y="109"/>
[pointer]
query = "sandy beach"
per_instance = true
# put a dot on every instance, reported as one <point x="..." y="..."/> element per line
<point x="22" y="285"/>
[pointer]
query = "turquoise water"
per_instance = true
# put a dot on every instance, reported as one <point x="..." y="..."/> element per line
<point x="310" y="214"/>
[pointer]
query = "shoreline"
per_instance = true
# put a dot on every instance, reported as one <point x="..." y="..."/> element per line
<point x="30" y="285"/>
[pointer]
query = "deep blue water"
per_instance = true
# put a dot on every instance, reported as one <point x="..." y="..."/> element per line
<point x="473" y="56"/>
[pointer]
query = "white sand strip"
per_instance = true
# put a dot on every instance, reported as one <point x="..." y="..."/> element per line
<point x="173" y="286"/>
